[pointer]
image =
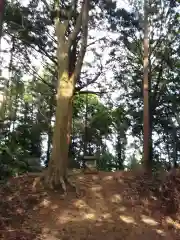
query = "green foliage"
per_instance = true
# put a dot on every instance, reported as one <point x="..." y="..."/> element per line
<point x="27" y="124"/>
<point x="133" y="163"/>
<point x="163" y="74"/>
<point x="106" y="162"/>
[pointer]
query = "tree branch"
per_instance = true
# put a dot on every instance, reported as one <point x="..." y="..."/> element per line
<point x="51" y="86"/>
<point x="42" y="51"/>
<point x="160" y="39"/>
<point x="77" y="29"/>
<point x="46" y="5"/>
<point x="85" y="20"/>
<point x="92" y="81"/>
<point x="97" y="40"/>
<point x="73" y="9"/>
<point x="90" y="92"/>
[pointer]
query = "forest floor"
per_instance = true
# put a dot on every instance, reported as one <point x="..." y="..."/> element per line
<point x="120" y="205"/>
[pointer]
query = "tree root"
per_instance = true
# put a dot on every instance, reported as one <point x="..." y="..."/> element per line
<point x="73" y="185"/>
<point x="36" y="183"/>
<point x="56" y="182"/>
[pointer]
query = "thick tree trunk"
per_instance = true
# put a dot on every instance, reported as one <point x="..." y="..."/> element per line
<point x="68" y="74"/>
<point x="56" y="173"/>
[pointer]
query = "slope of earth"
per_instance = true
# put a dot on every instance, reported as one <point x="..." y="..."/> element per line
<point x="118" y="205"/>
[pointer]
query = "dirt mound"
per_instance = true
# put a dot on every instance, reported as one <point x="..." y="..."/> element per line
<point x="120" y="205"/>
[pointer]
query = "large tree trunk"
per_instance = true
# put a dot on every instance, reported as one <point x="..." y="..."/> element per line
<point x="56" y="174"/>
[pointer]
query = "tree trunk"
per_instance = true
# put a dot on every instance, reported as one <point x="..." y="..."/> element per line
<point x="146" y="125"/>
<point x="174" y="147"/>
<point x="49" y="132"/>
<point x="69" y="130"/>
<point x="58" y="162"/>
<point x="48" y="147"/>
<point x="151" y="112"/>
<point x="56" y="175"/>
<point x="68" y="74"/>
<point x="151" y="117"/>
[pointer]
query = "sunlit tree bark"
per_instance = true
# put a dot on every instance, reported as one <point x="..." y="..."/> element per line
<point x="57" y="167"/>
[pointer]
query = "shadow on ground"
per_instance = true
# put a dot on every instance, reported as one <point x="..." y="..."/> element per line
<point x="113" y="206"/>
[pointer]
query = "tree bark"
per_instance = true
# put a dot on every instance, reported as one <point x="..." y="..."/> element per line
<point x="146" y="90"/>
<point x="58" y="162"/>
<point x="56" y="174"/>
<point x="174" y="147"/>
<point x="49" y="132"/>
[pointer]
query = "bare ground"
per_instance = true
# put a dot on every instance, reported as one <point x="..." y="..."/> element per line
<point x="120" y="205"/>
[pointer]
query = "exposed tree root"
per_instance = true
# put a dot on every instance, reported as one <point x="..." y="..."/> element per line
<point x="36" y="182"/>
<point x="73" y="186"/>
<point x="57" y="182"/>
<point x="63" y="185"/>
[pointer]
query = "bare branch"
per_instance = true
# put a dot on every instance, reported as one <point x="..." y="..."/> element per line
<point x="46" y="5"/>
<point x="77" y="29"/>
<point x="95" y="41"/>
<point x="31" y="70"/>
<point x="90" y="92"/>
<point x="85" y="20"/>
<point x="41" y="50"/>
<point x="52" y="37"/>
<point x="92" y="81"/>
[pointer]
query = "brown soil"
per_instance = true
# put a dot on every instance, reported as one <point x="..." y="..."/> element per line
<point x="120" y="205"/>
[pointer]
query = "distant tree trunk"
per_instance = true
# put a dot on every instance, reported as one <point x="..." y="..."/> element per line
<point x="151" y="111"/>
<point x="57" y="168"/>
<point x="166" y="141"/>
<point x="119" y="150"/>
<point x="146" y="89"/>
<point x="49" y="132"/>
<point x="2" y="95"/>
<point x="174" y="146"/>
<point x="48" y="147"/>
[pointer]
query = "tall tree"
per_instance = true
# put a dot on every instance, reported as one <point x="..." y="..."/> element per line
<point x="57" y="168"/>
<point x="162" y="71"/>
<point x="32" y="28"/>
<point x="146" y="91"/>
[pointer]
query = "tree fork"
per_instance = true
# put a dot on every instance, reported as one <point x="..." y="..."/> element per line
<point x="56" y="174"/>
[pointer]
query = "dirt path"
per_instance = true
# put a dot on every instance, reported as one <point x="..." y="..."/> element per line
<point x="109" y="209"/>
